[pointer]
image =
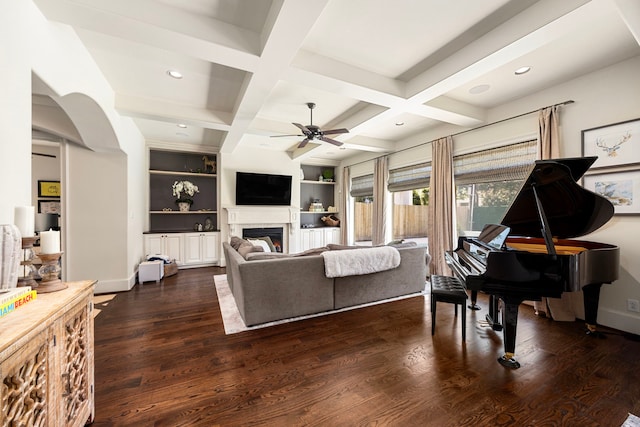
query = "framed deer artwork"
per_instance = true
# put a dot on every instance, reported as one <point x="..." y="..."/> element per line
<point x="617" y="144"/>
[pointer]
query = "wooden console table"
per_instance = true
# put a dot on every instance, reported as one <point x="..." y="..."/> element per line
<point x="46" y="360"/>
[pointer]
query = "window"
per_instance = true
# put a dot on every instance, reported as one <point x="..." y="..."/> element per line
<point x="362" y="192"/>
<point x="488" y="181"/>
<point x="410" y="188"/>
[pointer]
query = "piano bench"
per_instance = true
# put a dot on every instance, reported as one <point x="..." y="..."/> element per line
<point x="451" y="290"/>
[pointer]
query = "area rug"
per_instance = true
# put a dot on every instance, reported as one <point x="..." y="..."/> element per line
<point x="631" y="421"/>
<point x="234" y="324"/>
<point x="100" y="302"/>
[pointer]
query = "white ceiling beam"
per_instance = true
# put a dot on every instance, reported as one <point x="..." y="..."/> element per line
<point x="217" y="45"/>
<point x="284" y="41"/>
<point x="164" y="111"/>
<point x="535" y="27"/>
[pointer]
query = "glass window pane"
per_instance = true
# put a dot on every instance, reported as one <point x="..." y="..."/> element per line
<point x="483" y="203"/>
<point x="411" y="215"/>
<point x="363" y="220"/>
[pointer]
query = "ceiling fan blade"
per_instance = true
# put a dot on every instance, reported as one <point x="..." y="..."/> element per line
<point x="302" y="128"/>
<point x="331" y="141"/>
<point x="334" y="131"/>
<point x="280" y="136"/>
<point x="303" y="143"/>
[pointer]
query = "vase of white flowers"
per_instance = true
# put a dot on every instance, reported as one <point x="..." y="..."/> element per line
<point x="184" y="191"/>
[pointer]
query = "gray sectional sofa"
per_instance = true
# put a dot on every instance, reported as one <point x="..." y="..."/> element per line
<point x="269" y="287"/>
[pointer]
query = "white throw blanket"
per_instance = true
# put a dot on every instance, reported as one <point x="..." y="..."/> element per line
<point x="360" y="261"/>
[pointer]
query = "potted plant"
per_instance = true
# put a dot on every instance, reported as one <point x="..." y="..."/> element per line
<point x="327" y="175"/>
<point x="184" y="191"/>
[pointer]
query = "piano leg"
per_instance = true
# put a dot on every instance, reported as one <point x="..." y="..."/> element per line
<point x="510" y="322"/>
<point x="494" y="311"/>
<point x="591" y="302"/>
<point x="474" y="298"/>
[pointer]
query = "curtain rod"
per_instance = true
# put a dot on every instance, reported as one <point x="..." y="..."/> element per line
<point x="570" y="101"/>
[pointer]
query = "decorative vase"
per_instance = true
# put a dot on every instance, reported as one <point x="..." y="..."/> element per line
<point x="10" y="255"/>
<point x="184" y="206"/>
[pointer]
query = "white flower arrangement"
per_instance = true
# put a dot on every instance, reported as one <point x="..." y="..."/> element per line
<point x="186" y="187"/>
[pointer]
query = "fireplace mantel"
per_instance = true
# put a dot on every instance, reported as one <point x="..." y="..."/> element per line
<point x="261" y="215"/>
<point x="287" y="217"/>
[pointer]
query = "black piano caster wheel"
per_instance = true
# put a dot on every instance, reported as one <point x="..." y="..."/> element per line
<point x="474" y="306"/>
<point x="510" y="363"/>
<point x="596" y="334"/>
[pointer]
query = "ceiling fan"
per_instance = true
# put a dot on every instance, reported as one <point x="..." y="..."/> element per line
<point x="311" y="132"/>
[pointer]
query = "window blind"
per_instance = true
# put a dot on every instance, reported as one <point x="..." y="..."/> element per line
<point x="511" y="162"/>
<point x="409" y="177"/>
<point x="362" y="186"/>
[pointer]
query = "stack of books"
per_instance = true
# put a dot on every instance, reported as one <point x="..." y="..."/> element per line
<point x="12" y="299"/>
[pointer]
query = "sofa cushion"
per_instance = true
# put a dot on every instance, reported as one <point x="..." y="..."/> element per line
<point x="312" y="251"/>
<point x="402" y="245"/>
<point x="257" y="256"/>
<point x="336" y="247"/>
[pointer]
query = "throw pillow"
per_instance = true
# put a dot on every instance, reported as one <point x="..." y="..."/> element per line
<point x="269" y="242"/>
<point x="247" y="248"/>
<point x="261" y="243"/>
<point x="236" y="241"/>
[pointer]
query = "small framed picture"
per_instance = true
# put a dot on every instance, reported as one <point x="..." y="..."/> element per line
<point x="622" y="189"/>
<point x="617" y="144"/>
<point x="48" y="188"/>
<point x="49" y="206"/>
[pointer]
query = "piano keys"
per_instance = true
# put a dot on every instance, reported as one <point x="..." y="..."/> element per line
<point x="523" y="259"/>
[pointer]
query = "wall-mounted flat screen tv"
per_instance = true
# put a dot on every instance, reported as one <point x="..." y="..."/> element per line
<point x="263" y="189"/>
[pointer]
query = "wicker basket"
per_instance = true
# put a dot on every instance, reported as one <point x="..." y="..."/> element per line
<point x="331" y="220"/>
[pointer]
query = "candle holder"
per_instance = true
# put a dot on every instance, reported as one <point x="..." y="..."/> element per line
<point x="50" y="273"/>
<point x="27" y="269"/>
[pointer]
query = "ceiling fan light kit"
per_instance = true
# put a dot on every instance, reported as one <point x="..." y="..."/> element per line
<point x="311" y="132"/>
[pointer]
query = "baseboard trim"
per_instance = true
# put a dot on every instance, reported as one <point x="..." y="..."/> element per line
<point x="620" y="320"/>
<point x="110" y="286"/>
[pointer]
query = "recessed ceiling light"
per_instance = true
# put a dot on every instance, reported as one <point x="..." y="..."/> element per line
<point x="182" y="125"/>
<point x="342" y="148"/>
<point x="175" y="74"/>
<point x="479" y="89"/>
<point x="399" y="123"/>
<point x="522" y="70"/>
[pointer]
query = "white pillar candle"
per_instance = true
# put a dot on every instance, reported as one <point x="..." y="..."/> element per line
<point x="25" y="220"/>
<point x="50" y="242"/>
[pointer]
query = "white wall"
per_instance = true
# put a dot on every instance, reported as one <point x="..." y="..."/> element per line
<point x="103" y="179"/>
<point x="15" y="110"/>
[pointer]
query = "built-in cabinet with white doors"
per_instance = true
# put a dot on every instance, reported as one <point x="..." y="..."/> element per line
<point x="317" y="237"/>
<point x="201" y="248"/>
<point x="169" y="244"/>
<point x="191" y="237"/>
<point x="187" y="249"/>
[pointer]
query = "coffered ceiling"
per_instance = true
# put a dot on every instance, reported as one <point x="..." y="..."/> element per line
<point x="250" y="66"/>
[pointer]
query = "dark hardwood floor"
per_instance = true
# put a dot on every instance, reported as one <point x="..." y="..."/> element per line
<point x="162" y="359"/>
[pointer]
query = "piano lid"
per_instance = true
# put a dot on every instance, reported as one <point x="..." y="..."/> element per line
<point x="571" y="210"/>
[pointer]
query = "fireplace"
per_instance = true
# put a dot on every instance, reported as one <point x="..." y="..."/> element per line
<point x="284" y="218"/>
<point x="274" y="233"/>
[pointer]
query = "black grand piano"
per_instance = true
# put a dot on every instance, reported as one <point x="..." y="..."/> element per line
<point x="531" y="254"/>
